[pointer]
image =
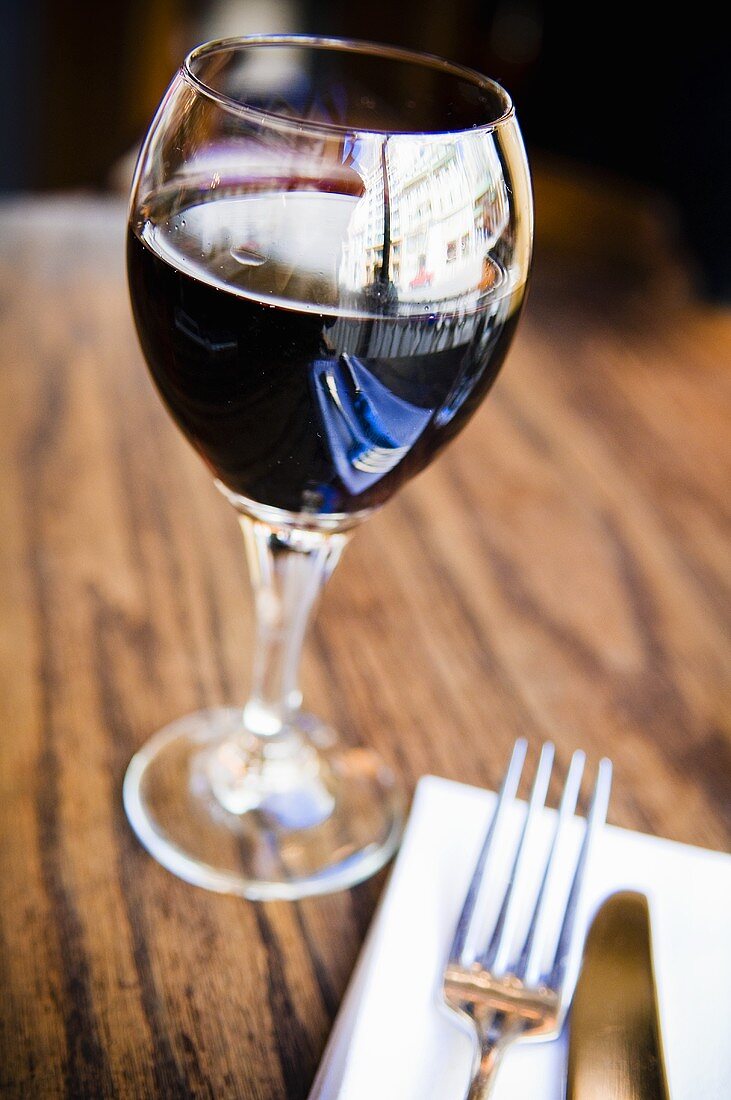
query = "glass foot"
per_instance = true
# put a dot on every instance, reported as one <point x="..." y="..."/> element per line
<point x="306" y="815"/>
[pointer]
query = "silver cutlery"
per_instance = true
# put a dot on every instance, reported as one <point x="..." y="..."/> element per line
<point x="615" y="1047"/>
<point x="510" y="990"/>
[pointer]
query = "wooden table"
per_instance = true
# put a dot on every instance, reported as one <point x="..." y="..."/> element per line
<point x="560" y="572"/>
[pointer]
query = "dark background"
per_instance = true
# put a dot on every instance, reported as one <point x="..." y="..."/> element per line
<point x="623" y="98"/>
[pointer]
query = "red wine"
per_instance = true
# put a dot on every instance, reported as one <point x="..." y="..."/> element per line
<point x="298" y="394"/>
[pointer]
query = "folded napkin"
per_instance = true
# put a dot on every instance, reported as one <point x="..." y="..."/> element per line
<point x="393" y="1041"/>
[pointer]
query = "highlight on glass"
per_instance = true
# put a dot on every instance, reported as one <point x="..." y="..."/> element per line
<point x="327" y="252"/>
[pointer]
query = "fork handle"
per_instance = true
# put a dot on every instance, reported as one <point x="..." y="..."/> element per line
<point x="492" y="1048"/>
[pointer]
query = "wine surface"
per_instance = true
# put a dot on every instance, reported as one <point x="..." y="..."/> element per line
<point x="298" y="394"/>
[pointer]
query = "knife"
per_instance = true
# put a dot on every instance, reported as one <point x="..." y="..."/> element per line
<point x="615" y="1044"/>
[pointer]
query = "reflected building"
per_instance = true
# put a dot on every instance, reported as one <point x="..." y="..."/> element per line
<point x="448" y="207"/>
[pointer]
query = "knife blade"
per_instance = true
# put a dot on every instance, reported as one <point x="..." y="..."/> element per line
<point x="615" y="1043"/>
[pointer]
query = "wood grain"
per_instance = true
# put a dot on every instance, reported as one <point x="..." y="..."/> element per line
<point x="562" y="571"/>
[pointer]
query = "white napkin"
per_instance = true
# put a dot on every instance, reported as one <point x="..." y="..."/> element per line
<point x="393" y="1041"/>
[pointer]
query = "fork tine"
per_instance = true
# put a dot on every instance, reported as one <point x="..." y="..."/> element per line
<point x="568" y="941"/>
<point x="496" y="956"/>
<point x="529" y="965"/>
<point x="505" y="797"/>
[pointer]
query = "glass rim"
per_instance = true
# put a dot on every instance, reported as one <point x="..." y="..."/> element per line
<point x="344" y="45"/>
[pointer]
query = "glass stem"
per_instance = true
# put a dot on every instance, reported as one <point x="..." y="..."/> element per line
<point x="288" y="569"/>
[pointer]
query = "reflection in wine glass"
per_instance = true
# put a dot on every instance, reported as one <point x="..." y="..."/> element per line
<point x="327" y="257"/>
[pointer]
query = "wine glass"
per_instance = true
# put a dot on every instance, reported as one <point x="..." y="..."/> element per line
<point x="327" y="253"/>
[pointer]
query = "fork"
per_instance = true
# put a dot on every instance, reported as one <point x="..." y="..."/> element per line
<point x="507" y="992"/>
